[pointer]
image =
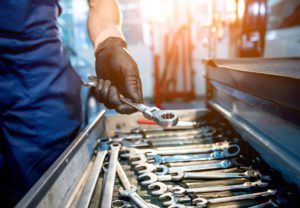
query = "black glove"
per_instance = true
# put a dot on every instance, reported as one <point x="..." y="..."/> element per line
<point x="117" y="73"/>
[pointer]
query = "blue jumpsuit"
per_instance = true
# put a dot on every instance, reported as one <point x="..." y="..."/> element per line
<point x="40" y="109"/>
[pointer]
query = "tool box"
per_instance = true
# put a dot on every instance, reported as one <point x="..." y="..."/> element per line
<point x="240" y="151"/>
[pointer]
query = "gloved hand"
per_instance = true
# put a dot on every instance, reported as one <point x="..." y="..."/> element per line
<point x="117" y="73"/>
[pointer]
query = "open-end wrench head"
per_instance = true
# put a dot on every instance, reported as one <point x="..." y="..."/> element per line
<point x="178" y="190"/>
<point x="137" y="159"/>
<point x="147" y="179"/>
<point x="200" y="202"/>
<point x="155" y="159"/>
<point x="167" y="199"/>
<point x="177" y="175"/>
<point x="158" y="188"/>
<point x="144" y="168"/>
<point x="161" y="170"/>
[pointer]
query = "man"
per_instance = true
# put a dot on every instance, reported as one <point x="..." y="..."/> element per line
<point x="40" y="92"/>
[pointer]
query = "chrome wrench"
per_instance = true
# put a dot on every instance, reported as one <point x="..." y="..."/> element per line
<point x="249" y="174"/>
<point x="163" y="118"/>
<point x="131" y="151"/>
<point x="108" y="188"/>
<point x="183" y="151"/>
<point x="202" y="202"/>
<point x="179" y="190"/>
<point x="129" y="190"/>
<point x="157" y="159"/>
<point x="91" y="182"/>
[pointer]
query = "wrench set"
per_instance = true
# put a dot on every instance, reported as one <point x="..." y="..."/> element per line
<point x="193" y="167"/>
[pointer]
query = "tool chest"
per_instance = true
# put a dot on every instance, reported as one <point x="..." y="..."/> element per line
<point x="240" y="151"/>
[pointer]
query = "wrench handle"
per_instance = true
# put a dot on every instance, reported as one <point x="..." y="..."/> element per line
<point x="139" y="201"/>
<point x="110" y="176"/>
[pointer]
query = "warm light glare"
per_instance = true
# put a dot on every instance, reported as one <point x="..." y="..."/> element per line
<point x="241" y="9"/>
<point x="154" y="10"/>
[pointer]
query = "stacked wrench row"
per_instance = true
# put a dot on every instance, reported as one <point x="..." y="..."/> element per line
<point x="169" y="160"/>
<point x="186" y="168"/>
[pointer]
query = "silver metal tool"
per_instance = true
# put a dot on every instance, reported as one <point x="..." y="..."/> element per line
<point x="127" y="152"/>
<point x="204" y="131"/>
<point x="121" y="204"/>
<point x="179" y="190"/>
<point x="108" y="188"/>
<point x="163" y="169"/>
<point x="129" y="190"/>
<point x="202" y="202"/>
<point x="157" y="159"/>
<point x="269" y="204"/>
<point x="159" y="188"/>
<point x="229" y="148"/>
<point x="169" y="199"/>
<point x="91" y="182"/>
<point x="163" y="118"/>
<point x="250" y="174"/>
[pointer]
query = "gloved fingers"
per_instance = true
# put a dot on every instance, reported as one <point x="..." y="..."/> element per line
<point x="133" y="88"/>
<point x="115" y="102"/>
<point x="99" y="87"/>
<point x="125" y="109"/>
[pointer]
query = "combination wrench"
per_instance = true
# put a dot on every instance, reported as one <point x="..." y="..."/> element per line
<point x="230" y="148"/>
<point x="163" y="169"/>
<point x="202" y="202"/>
<point x="108" y="187"/>
<point x="179" y="190"/>
<point x="91" y="182"/>
<point x="163" y="118"/>
<point x="129" y="191"/>
<point x="131" y="151"/>
<point x="157" y="159"/>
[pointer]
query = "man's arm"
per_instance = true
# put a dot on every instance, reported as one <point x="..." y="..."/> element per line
<point x="116" y="70"/>
<point x="104" y="20"/>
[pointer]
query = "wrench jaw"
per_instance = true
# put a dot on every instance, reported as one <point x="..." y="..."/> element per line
<point x="158" y="188"/>
<point x="178" y="191"/>
<point x="147" y="179"/>
<point x="177" y="176"/>
<point x="155" y="159"/>
<point x="167" y="199"/>
<point x="144" y="168"/>
<point x="161" y="170"/>
<point x="200" y="202"/>
<point x="137" y="159"/>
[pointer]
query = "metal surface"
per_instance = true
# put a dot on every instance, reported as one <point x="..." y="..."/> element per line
<point x="178" y="190"/>
<point x="279" y="146"/>
<point x="129" y="190"/>
<point x="108" y="187"/>
<point x="260" y="99"/>
<point x="54" y="188"/>
<point x="163" y="118"/>
<point x="201" y="202"/>
<point x="90" y="184"/>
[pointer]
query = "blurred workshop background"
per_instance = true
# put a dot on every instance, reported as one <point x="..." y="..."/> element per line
<point x="169" y="39"/>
